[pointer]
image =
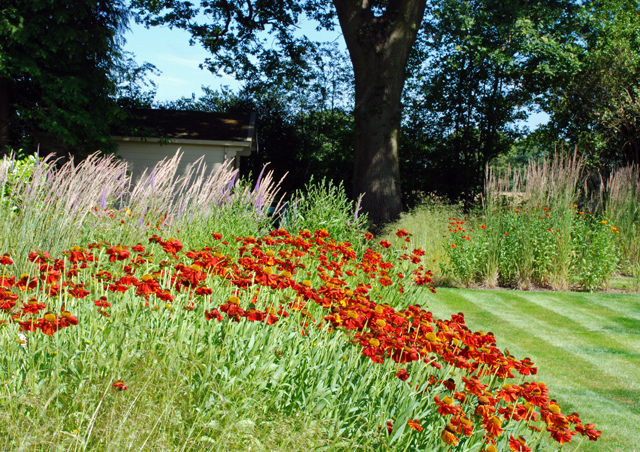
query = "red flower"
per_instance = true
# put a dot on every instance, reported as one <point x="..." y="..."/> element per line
<point x="28" y="325"/>
<point x="446" y="406"/>
<point x="66" y="318"/>
<point x="171" y="246"/>
<point x="102" y="302"/>
<point x="385" y="244"/>
<point x="213" y="314"/>
<point x="118" y="253"/>
<point x="119" y="385"/>
<point x="32" y="306"/>
<point x="493" y="426"/>
<point x="25" y="284"/>
<point x="389" y="427"/>
<point x="589" y="430"/>
<point x="6" y="260"/>
<point x="415" y="424"/>
<point x="216" y="236"/>
<point x="402" y="233"/>
<point x="448" y="435"/>
<point x="48" y="324"/>
<point x="403" y="375"/>
<point x="518" y="444"/>
<point x="78" y="291"/>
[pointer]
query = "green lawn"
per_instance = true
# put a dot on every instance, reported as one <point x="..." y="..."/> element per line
<point x="586" y="347"/>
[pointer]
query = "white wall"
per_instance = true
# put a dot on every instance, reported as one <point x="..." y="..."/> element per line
<point x="140" y="155"/>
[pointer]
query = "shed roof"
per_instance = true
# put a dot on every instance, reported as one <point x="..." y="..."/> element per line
<point x="189" y="125"/>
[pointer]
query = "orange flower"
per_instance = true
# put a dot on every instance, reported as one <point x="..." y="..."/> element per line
<point x="518" y="444"/>
<point x="415" y="424"/>
<point x="448" y="435"/>
<point x="494" y="426"/>
<point x="445" y="406"/>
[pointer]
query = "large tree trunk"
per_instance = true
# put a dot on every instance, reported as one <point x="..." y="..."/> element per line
<point x="379" y="47"/>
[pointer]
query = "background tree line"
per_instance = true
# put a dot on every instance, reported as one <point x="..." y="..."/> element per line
<point x="476" y="70"/>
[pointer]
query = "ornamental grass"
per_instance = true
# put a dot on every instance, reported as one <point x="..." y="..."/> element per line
<point x="148" y="328"/>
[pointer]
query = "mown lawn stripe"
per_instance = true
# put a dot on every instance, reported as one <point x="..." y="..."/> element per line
<point x="589" y="370"/>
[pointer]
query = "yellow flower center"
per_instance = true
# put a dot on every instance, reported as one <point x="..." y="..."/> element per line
<point x="374" y="342"/>
<point x="50" y="317"/>
<point x="146" y="278"/>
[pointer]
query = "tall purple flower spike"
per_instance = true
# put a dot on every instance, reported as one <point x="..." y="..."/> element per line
<point x="259" y="179"/>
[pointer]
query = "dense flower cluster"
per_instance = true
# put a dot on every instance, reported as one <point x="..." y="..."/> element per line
<point x="343" y="288"/>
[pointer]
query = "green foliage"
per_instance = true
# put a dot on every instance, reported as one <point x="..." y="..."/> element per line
<point x="56" y="59"/>
<point x="18" y="176"/>
<point x="476" y="70"/>
<point x="595" y="104"/>
<point x="324" y="205"/>
<point x="303" y="133"/>
<point x="596" y="253"/>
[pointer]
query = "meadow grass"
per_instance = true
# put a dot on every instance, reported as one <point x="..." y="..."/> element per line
<point x="586" y="346"/>
<point x="195" y="381"/>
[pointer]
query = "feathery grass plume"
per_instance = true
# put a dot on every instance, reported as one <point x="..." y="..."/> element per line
<point x="56" y="207"/>
<point x="621" y="194"/>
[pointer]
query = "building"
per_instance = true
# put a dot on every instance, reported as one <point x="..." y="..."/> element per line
<point x="152" y="135"/>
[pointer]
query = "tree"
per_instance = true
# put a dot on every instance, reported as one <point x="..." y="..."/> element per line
<point x="379" y="35"/>
<point x="476" y="68"/>
<point x="596" y="106"/>
<point x="307" y="133"/>
<point x="56" y="81"/>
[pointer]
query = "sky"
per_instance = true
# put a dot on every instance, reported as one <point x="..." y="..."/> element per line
<point x="170" y="52"/>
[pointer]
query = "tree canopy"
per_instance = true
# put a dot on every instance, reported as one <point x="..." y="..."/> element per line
<point x="64" y="74"/>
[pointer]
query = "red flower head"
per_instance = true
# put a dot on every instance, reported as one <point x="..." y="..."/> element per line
<point x="403" y="375"/>
<point x="28" y="325"/>
<point x="216" y="236"/>
<point x="32" y="306"/>
<point x="402" y="233"/>
<point x="385" y="244"/>
<point x="415" y="424"/>
<point x="7" y="300"/>
<point x="48" y="324"/>
<point x="78" y="291"/>
<point x="119" y="385"/>
<point x="213" y="314"/>
<point x="66" y="318"/>
<point x="118" y="253"/>
<point x="446" y="406"/>
<point x="24" y="283"/>
<point x="493" y="426"/>
<point x="171" y="246"/>
<point x="6" y="260"/>
<point x="102" y="302"/>
<point x="448" y="435"/>
<point x="589" y="430"/>
<point x="518" y="444"/>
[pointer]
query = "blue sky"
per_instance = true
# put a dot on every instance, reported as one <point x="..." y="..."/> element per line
<point x="170" y="51"/>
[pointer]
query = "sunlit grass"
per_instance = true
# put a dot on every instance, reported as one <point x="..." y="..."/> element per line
<point x="586" y="346"/>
